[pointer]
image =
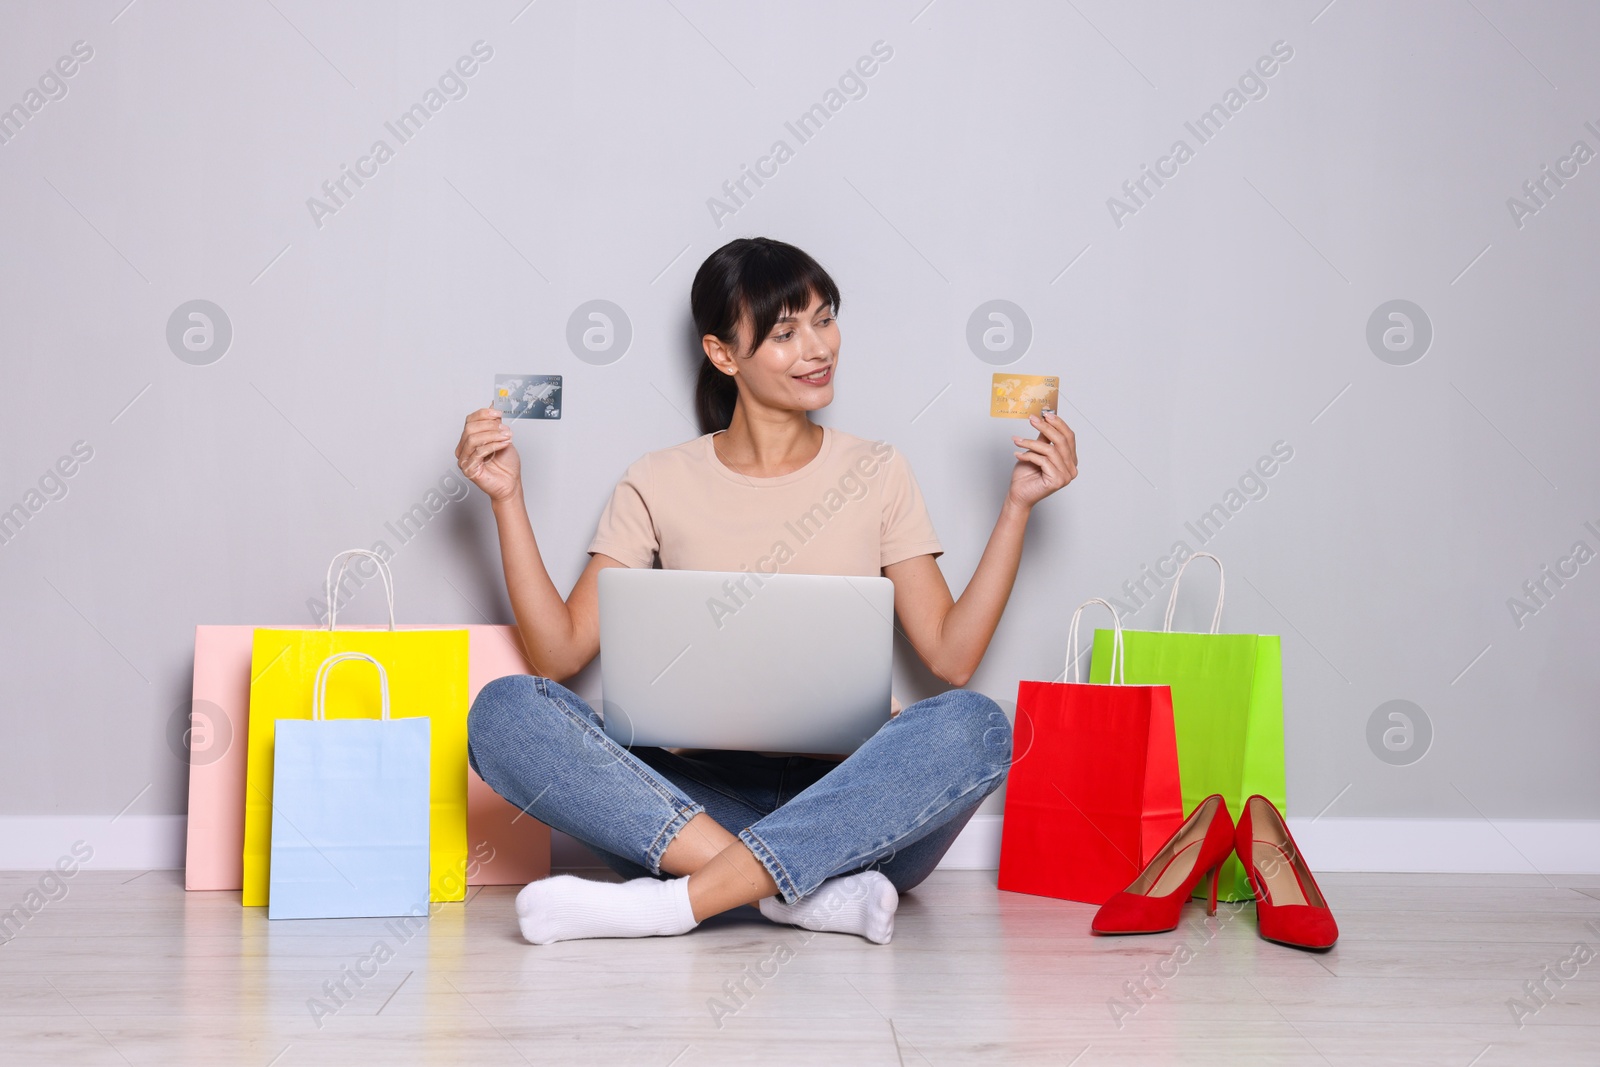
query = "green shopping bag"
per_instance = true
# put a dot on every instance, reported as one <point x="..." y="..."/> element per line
<point x="1227" y="705"/>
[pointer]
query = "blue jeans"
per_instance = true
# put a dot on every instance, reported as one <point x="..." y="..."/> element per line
<point x="894" y="805"/>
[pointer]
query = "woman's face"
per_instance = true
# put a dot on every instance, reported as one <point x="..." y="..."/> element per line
<point x="792" y="368"/>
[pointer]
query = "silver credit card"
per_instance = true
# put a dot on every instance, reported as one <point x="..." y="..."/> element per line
<point x="528" y="396"/>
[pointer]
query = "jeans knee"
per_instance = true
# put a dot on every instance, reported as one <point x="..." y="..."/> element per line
<point x="499" y="699"/>
<point x="976" y="728"/>
<point x="995" y="739"/>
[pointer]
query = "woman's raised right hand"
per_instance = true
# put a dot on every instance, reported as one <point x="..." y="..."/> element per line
<point x="487" y="457"/>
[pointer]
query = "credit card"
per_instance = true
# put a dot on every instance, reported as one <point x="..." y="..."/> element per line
<point x="528" y="396"/>
<point x="1016" y="396"/>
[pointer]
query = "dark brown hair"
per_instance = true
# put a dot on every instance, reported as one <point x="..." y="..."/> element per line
<point x="755" y="277"/>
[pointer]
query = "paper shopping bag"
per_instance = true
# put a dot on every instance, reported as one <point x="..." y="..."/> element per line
<point x="427" y="670"/>
<point x="349" y="811"/>
<point x="508" y="846"/>
<point x="215" y="741"/>
<point x="1093" y="792"/>
<point x="1227" y="702"/>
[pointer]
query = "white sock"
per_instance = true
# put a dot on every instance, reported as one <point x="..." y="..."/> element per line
<point x="850" y="904"/>
<point x="565" y="907"/>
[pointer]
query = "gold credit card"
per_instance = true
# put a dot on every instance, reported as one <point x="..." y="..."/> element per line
<point x="1016" y="396"/>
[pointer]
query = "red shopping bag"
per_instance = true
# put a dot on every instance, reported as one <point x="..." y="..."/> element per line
<point x="1093" y="792"/>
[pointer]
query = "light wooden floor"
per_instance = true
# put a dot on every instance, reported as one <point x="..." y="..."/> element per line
<point x="127" y="968"/>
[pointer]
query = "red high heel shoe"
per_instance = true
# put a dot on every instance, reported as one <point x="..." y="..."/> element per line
<point x="1290" y="908"/>
<point x="1152" y="904"/>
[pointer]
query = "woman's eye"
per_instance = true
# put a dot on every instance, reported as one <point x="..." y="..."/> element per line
<point x="783" y="336"/>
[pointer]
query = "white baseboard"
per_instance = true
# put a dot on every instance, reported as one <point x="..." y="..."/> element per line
<point x="977" y="848"/>
<point x="1457" y="846"/>
<point x="1477" y="846"/>
<point x="131" y="842"/>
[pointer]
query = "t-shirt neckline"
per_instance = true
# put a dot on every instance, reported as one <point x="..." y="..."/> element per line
<point x="781" y="479"/>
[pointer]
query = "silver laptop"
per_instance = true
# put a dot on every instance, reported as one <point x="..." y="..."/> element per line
<point x="732" y="660"/>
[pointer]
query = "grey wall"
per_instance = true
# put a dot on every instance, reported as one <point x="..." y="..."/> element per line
<point x="1226" y="312"/>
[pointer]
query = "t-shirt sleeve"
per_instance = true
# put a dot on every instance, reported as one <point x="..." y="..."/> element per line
<point x="907" y="528"/>
<point x="626" y="531"/>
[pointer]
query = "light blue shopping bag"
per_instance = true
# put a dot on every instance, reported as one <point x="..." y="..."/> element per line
<point x="349" y="811"/>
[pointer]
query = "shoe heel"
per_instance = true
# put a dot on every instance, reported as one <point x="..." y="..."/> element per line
<point x="1211" y="905"/>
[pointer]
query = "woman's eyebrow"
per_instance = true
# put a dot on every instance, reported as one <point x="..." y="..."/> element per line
<point x="824" y="310"/>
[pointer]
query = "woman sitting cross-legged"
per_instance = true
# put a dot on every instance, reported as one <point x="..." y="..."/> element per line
<point x="821" y="843"/>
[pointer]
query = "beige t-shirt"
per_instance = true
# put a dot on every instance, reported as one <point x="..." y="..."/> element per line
<point x="854" y="509"/>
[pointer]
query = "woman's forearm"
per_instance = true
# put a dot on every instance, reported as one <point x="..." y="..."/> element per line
<point x="970" y="623"/>
<point x="542" y="616"/>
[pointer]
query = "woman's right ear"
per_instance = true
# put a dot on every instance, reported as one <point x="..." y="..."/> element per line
<point x="718" y="354"/>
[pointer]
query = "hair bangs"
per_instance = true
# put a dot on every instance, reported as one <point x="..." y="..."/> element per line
<point x="781" y="280"/>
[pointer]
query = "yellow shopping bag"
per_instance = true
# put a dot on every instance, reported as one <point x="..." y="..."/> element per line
<point x="427" y="677"/>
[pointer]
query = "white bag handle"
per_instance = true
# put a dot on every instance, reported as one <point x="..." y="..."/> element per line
<point x="1172" y="601"/>
<point x="1118" y="674"/>
<point x="330" y="584"/>
<point x="319" y="698"/>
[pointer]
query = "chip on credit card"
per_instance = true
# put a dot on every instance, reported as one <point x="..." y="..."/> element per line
<point x="528" y="396"/>
<point x="1017" y="396"/>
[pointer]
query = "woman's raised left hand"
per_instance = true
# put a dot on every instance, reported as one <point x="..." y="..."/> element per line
<point x="1044" y="464"/>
